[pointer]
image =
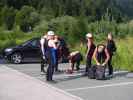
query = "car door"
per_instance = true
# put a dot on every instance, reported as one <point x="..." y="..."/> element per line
<point x="32" y="49"/>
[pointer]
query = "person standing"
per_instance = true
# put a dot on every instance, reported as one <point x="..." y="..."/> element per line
<point x="111" y="47"/>
<point x="52" y="60"/>
<point x="43" y="47"/>
<point x="90" y="50"/>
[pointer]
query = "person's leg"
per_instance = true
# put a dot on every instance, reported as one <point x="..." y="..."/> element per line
<point x="88" y="65"/>
<point x="56" y="66"/>
<point x="48" y="73"/>
<point x="52" y="65"/>
<point x="72" y="66"/>
<point x="110" y="68"/>
<point x="51" y="72"/>
<point x="42" y="65"/>
<point x="77" y="65"/>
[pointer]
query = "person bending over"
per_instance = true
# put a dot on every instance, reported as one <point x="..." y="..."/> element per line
<point x="101" y="55"/>
<point x="74" y="59"/>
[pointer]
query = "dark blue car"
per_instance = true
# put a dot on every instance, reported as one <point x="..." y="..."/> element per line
<point x="30" y="50"/>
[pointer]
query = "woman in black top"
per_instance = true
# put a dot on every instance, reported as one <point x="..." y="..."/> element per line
<point x="90" y="50"/>
<point x="111" y="47"/>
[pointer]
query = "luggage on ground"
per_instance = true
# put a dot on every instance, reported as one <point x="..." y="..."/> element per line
<point x="100" y="73"/>
<point x="91" y="72"/>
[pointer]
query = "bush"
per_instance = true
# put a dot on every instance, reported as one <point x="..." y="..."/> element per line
<point x="71" y="28"/>
<point x="103" y="27"/>
<point x="41" y="27"/>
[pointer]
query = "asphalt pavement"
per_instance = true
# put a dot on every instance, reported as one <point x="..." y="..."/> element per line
<point x="118" y="88"/>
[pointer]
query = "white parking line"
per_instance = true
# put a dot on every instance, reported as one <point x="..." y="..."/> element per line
<point x="100" y="86"/>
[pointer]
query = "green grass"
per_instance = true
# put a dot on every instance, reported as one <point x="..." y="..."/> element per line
<point x="124" y="56"/>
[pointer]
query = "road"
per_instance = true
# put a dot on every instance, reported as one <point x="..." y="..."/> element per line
<point x="118" y="88"/>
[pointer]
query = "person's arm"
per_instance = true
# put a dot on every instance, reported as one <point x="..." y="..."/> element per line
<point x="42" y="46"/>
<point x="114" y="47"/>
<point x="87" y="53"/>
<point x="107" y="57"/>
<point x="54" y="45"/>
<point x="88" y="49"/>
<point x="95" y="56"/>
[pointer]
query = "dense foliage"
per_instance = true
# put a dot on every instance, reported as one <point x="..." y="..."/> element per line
<point x="27" y="14"/>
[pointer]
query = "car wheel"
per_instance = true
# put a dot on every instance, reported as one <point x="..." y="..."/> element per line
<point x="16" y="58"/>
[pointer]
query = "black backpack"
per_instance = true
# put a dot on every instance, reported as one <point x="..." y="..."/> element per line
<point x="100" y="73"/>
<point x="91" y="72"/>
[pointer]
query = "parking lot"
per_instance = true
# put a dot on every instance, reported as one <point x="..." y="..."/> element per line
<point x="118" y="88"/>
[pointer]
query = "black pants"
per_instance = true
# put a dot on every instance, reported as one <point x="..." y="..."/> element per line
<point x="88" y="65"/>
<point x="43" y="64"/>
<point x="50" y="71"/>
<point x="110" y="68"/>
<point x="77" y="65"/>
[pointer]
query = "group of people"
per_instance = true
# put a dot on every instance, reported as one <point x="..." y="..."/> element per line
<point x="52" y="50"/>
<point x="102" y="53"/>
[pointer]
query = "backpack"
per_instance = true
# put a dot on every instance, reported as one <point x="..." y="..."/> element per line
<point x="91" y="73"/>
<point x="100" y="73"/>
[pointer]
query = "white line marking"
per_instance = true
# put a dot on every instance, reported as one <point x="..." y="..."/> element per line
<point x="100" y="86"/>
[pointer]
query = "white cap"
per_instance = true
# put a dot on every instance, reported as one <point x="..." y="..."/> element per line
<point x="89" y="35"/>
<point x="50" y="33"/>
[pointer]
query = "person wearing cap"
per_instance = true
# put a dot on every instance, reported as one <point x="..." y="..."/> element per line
<point x="43" y="47"/>
<point x="52" y="60"/>
<point x="111" y="47"/>
<point x="90" y="50"/>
